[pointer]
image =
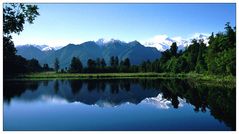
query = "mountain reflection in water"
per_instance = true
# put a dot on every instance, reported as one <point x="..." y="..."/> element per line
<point x="163" y="94"/>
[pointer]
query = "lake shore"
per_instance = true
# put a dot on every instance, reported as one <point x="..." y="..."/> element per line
<point x="194" y="76"/>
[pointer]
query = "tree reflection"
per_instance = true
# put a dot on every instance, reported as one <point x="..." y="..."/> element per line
<point x="102" y="86"/>
<point x="16" y="88"/>
<point x="221" y="100"/>
<point x="125" y="85"/>
<point x="175" y="101"/>
<point x="91" y="85"/>
<point x="56" y="86"/>
<point x="45" y="83"/>
<point x="76" y="85"/>
<point x="114" y="87"/>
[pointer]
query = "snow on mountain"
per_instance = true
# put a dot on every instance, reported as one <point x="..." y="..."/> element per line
<point x="106" y="41"/>
<point x="163" y="42"/>
<point x="202" y="36"/>
<point x="42" y="47"/>
<point x="102" y="41"/>
<point x="47" y="48"/>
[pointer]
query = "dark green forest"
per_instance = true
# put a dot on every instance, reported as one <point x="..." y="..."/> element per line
<point x="219" y="57"/>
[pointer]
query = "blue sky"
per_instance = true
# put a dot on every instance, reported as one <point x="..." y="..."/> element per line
<point x="60" y="24"/>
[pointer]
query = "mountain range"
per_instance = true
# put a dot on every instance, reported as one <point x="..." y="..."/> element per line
<point x="136" y="52"/>
<point x="105" y="48"/>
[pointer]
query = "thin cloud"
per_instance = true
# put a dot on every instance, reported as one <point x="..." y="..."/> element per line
<point x="53" y="42"/>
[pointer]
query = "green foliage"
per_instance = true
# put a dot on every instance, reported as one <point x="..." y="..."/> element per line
<point x="221" y="54"/>
<point x="14" y="17"/>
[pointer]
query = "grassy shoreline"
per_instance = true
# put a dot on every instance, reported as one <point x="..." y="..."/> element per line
<point x="194" y="76"/>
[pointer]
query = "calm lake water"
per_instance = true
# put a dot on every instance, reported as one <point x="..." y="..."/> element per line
<point x="140" y="104"/>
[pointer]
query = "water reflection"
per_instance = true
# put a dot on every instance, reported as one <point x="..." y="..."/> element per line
<point x="163" y="103"/>
<point x="164" y="94"/>
<point x="76" y="86"/>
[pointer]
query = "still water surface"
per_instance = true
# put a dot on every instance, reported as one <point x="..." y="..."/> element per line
<point x="118" y="105"/>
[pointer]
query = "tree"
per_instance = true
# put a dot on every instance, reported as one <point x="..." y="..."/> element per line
<point x="56" y="65"/>
<point x="143" y="67"/>
<point x="230" y="36"/>
<point x="9" y="57"/>
<point x="91" y="65"/>
<point x="201" y="66"/>
<point x="46" y="67"/>
<point x="102" y="63"/>
<point x="19" y="65"/>
<point x="192" y="54"/>
<point x="76" y="65"/>
<point x="14" y="17"/>
<point x="98" y="62"/>
<point x="221" y="53"/>
<point x="166" y="55"/>
<point x="116" y="61"/>
<point x="182" y="64"/>
<point x="127" y="62"/>
<point x="112" y="61"/>
<point x="174" y="49"/>
<point x="34" y="66"/>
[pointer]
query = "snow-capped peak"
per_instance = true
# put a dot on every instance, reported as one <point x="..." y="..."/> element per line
<point x="42" y="47"/>
<point x="105" y="41"/>
<point x="47" y="48"/>
<point x="163" y="42"/>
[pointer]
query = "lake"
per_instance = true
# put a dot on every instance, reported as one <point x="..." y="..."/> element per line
<point x="130" y="104"/>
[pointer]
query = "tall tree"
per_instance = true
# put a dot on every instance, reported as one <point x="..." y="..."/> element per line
<point x="127" y="63"/>
<point x="102" y="63"/>
<point x="174" y="49"/>
<point x="112" y="61"/>
<point x="56" y="65"/>
<point x="76" y="65"/>
<point x="116" y="61"/>
<point x="91" y="66"/>
<point x="201" y="65"/>
<point x="98" y="61"/>
<point x="46" y="67"/>
<point x="230" y="36"/>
